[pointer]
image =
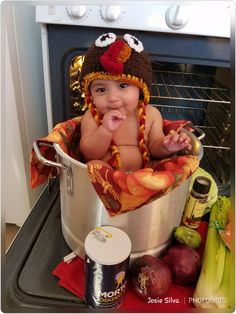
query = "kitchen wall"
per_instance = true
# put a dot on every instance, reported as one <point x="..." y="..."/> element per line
<point x="24" y="113"/>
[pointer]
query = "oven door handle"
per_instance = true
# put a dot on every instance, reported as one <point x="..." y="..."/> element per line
<point x="51" y="163"/>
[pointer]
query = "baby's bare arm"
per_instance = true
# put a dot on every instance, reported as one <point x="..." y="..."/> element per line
<point x="161" y="146"/>
<point x="174" y="142"/>
<point x="95" y="140"/>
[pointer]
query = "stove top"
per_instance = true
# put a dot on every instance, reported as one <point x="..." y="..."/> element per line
<point x="38" y="248"/>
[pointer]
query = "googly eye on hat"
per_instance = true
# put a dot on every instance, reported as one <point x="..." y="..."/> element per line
<point x="134" y="42"/>
<point x="105" y="40"/>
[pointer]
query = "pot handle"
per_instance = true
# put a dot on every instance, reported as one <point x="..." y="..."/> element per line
<point x="201" y="133"/>
<point x="50" y="163"/>
<point x="197" y="147"/>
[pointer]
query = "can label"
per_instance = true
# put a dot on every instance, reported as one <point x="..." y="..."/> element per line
<point x="193" y="211"/>
<point x="105" y="284"/>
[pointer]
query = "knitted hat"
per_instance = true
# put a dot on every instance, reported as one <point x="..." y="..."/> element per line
<point x="121" y="59"/>
<point x="118" y="58"/>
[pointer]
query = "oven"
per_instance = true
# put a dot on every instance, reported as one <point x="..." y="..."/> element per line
<point x="192" y="79"/>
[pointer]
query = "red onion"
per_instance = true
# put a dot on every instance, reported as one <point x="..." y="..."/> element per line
<point x="150" y="277"/>
<point x="184" y="263"/>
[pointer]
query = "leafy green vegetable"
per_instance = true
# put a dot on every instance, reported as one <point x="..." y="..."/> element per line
<point x="215" y="286"/>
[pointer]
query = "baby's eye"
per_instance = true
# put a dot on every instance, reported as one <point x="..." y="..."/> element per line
<point x="123" y="85"/>
<point x="100" y="90"/>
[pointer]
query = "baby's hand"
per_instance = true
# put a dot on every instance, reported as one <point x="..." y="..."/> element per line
<point x="174" y="142"/>
<point x="112" y="120"/>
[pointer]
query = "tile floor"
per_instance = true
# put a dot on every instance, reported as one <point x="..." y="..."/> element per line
<point x="10" y="232"/>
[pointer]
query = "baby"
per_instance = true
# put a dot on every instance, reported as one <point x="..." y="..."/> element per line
<point x="120" y="126"/>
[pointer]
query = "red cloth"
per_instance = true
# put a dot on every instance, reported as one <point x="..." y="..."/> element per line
<point x="178" y="298"/>
<point x="71" y="276"/>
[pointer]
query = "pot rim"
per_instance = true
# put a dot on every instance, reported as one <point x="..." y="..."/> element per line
<point x="61" y="153"/>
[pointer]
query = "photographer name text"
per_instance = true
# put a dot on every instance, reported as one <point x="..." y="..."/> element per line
<point x="171" y="300"/>
<point x="166" y="300"/>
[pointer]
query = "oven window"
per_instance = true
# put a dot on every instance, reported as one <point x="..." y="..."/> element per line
<point x="200" y="94"/>
<point x="179" y="91"/>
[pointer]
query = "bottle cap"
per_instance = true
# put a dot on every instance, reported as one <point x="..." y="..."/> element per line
<point x="202" y="185"/>
<point x="107" y="245"/>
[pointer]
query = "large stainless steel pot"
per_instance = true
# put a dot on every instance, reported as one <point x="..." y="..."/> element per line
<point x="149" y="227"/>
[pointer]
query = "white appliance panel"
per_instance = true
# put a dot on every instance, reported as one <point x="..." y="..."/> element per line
<point x="206" y="18"/>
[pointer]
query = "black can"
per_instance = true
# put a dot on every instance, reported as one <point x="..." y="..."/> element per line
<point x="107" y="262"/>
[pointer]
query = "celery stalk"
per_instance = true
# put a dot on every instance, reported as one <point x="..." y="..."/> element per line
<point x="225" y="298"/>
<point x="215" y="284"/>
<point x="220" y="261"/>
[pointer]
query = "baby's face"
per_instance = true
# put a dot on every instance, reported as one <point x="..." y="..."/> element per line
<point x="114" y="95"/>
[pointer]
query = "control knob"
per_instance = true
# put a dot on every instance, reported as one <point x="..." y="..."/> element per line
<point x="110" y="12"/>
<point x="177" y="16"/>
<point x="76" y="11"/>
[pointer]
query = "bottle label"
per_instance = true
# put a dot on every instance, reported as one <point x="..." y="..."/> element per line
<point x="193" y="211"/>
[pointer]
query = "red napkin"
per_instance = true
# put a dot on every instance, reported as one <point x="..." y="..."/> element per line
<point x="71" y="276"/>
<point x="178" y="299"/>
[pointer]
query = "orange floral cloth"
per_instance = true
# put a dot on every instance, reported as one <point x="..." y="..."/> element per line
<point x="67" y="135"/>
<point x="122" y="192"/>
<point x="119" y="191"/>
